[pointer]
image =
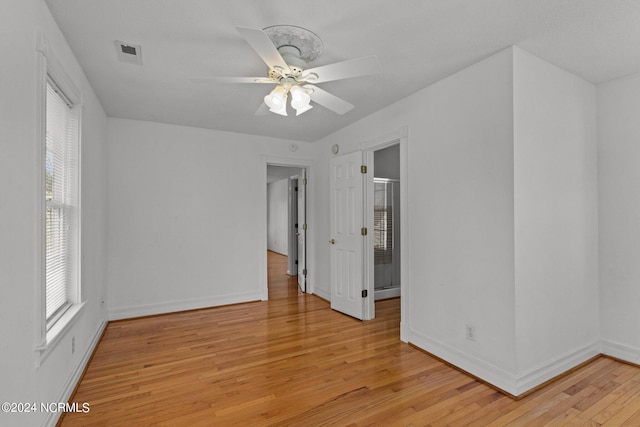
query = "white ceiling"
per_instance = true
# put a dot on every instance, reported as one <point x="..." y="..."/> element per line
<point x="417" y="41"/>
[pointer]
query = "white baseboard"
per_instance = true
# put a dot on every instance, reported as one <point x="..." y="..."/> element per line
<point x="487" y="372"/>
<point x="404" y="332"/>
<point x="386" y="293"/>
<point x="182" y="305"/>
<point x="72" y="381"/>
<point x="514" y="384"/>
<point x="621" y="351"/>
<point x="321" y="293"/>
<point x="540" y="374"/>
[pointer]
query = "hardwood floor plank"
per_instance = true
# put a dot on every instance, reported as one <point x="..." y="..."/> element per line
<point x="291" y="360"/>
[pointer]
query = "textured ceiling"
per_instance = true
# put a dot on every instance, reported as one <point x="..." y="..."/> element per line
<point x="417" y="41"/>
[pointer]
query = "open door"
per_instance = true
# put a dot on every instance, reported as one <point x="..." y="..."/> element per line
<point x="347" y="246"/>
<point x="302" y="231"/>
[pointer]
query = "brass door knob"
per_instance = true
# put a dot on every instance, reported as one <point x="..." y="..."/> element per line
<point x="332" y="241"/>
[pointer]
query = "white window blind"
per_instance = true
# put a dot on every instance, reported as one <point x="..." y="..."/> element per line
<point x="61" y="202"/>
<point x="383" y="223"/>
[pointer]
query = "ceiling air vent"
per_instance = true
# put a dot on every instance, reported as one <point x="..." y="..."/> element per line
<point x="129" y="53"/>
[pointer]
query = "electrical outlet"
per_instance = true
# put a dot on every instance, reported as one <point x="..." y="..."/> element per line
<point x="73" y="345"/>
<point x="470" y="332"/>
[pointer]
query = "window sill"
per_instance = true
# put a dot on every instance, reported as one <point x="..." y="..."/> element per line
<point x="57" y="331"/>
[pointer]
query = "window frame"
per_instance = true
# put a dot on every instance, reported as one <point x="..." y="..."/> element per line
<point x="48" y="67"/>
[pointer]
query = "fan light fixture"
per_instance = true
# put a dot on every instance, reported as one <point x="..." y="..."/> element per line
<point x="277" y="99"/>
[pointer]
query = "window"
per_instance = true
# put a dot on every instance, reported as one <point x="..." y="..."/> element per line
<point x="383" y="222"/>
<point x="57" y="130"/>
<point x="61" y="193"/>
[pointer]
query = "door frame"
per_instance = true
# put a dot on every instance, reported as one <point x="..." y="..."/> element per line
<point x="302" y="163"/>
<point x="400" y="137"/>
<point x="301" y="254"/>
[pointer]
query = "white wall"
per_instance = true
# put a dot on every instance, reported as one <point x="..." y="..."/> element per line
<point x="556" y="223"/>
<point x="187" y="216"/>
<point x="619" y="201"/>
<point x="20" y="381"/>
<point x="278" y="216"/>
<point x="460" y="191"/>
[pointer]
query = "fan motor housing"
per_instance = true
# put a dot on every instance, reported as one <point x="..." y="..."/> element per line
<point x="307" y="44"/>
<point x="291" y="56"/>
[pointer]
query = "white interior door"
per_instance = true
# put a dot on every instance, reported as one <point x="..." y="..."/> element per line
<point x="302" y="231"/>
<point x="347" y="243"/>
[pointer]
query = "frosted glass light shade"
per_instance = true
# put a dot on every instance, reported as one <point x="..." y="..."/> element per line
<point x="277" y="100"/>
<point x="300" y="100"/>
<point x="299" y="97"/>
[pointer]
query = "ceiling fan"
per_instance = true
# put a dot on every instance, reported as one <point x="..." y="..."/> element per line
<point x="287" y="50"/>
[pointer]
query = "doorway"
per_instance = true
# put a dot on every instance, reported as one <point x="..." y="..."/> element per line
<point x="352" y="249"/>
<point x="389" y="159"/>
<point x="286" y="221"/>
<point x="386" y="222"/>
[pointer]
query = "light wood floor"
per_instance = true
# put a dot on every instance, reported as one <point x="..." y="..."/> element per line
<point x="293" y="361"/>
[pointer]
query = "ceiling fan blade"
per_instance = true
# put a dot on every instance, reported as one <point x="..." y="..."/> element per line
<point x="261" y="43"/>
<point x="327" y="100"/>
<point x="263" y="110"/>
<point x="214" y="79"/>
<point x="343" y="70"/>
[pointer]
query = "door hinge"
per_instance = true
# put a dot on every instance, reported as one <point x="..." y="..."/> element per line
<point x="304" y="181"/>
<point x="296" y="188"/>
<point x="363" y="169"/>
<point x="363" y="231"/>
<point x="365" y="293"/>
<point x="296" y="262"/>
<point x="304" y="271"/>
<point x="304" y="226"/>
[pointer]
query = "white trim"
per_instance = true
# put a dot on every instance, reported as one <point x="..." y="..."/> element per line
<point x="385" y="140"/>
<point x="57" y="71"/>
<point x="515" y="384"/>
<point x="40" y="337"/>
<point x="621" y="351"/>
<point x="544" y="372"/>
<point x="181" y="305"/>
<point x="405" y="226"/>
<point x="386" y="293"/>
<point x="323" y="294"/>
<point x="398" y="137"/>
<point x="368" y="253"/>
<point x="73" y="379"/>
<point x="492" y="374"/>
<point x="263" y="238"/>
<point x="58" y="330"/>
